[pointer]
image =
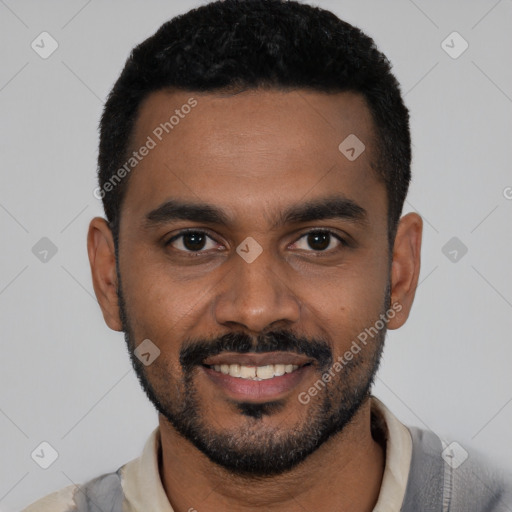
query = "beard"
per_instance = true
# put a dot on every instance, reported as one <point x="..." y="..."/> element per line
<point x="256" y="449"/>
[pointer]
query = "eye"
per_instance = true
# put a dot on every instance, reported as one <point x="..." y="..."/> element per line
<point x="319" y="241"/>
<point x="192" y="241"/>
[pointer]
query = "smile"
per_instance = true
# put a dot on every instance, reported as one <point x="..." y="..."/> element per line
<point x="268" y="371"/>
<point x="258" y="376"/>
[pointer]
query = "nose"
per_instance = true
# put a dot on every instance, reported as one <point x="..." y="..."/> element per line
<point x="256" y="296"/>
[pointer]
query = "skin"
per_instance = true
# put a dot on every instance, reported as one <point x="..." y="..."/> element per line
<point x="253" y="155"/>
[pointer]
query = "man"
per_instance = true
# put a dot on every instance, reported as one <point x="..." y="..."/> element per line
<point x="254" y="160"/>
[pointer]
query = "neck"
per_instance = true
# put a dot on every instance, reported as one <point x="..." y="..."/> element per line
<point x="345" y="473"/>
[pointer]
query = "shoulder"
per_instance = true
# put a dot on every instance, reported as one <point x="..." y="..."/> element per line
<point x="104" y="492"/>
<point x="474" y="482"/>
<point x="455" y="478"/>
<point x="59" y="501"/>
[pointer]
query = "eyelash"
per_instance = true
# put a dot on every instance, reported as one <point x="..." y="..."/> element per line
<point x="343" y="242"/>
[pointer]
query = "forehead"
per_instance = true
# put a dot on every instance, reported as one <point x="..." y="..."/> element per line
<point x="258" y="148"/>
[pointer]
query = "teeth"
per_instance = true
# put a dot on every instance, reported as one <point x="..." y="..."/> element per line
<point x="265" y="372"/>
<point x="279" y="369"/>
<point x="255" y="372"/>
<point x="234" y="370"/>
<point x="247" y="372"/>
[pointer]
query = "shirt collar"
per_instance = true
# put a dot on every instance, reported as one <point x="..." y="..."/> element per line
<point x="143" y="487"/>
<point x="398" y="458"/>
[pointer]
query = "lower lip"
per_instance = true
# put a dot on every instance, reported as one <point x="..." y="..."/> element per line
<point x="258" y="390"/>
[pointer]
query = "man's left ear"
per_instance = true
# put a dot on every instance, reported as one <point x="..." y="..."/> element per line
<point x="405" y="267"/>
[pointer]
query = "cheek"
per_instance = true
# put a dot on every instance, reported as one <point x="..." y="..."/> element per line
<point x="346" y="303"/>
<point x="167" y="309"/>
<point x="153" y="305"/>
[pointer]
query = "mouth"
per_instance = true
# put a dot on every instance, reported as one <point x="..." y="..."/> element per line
<point x="268" y="371"/>
<point x="257" y="377"/>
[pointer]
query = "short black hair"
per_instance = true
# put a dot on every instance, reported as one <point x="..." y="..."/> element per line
<point x="231" y="45"/>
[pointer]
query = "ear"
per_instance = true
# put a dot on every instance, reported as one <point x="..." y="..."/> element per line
<point x="405" y="267"/>
<point x="100" y="247"/>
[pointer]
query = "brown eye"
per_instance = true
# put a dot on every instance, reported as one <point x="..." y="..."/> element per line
<point x="192" y="241"/>
<point x="319" y="241"/>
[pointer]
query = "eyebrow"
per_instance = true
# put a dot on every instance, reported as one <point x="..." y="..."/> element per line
<point x="333" y="207"/>
<point x="336" y="207"/>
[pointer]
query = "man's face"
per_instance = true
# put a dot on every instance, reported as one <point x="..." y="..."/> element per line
<point x="262" y="276"/>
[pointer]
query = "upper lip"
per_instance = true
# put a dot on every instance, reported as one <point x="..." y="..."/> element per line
<point x="253" y="359"/>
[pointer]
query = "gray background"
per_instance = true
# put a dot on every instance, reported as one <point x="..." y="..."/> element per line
<point x="66" y="378"/>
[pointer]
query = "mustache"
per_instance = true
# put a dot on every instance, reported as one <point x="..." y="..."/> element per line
<point x="195" y="351"/>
